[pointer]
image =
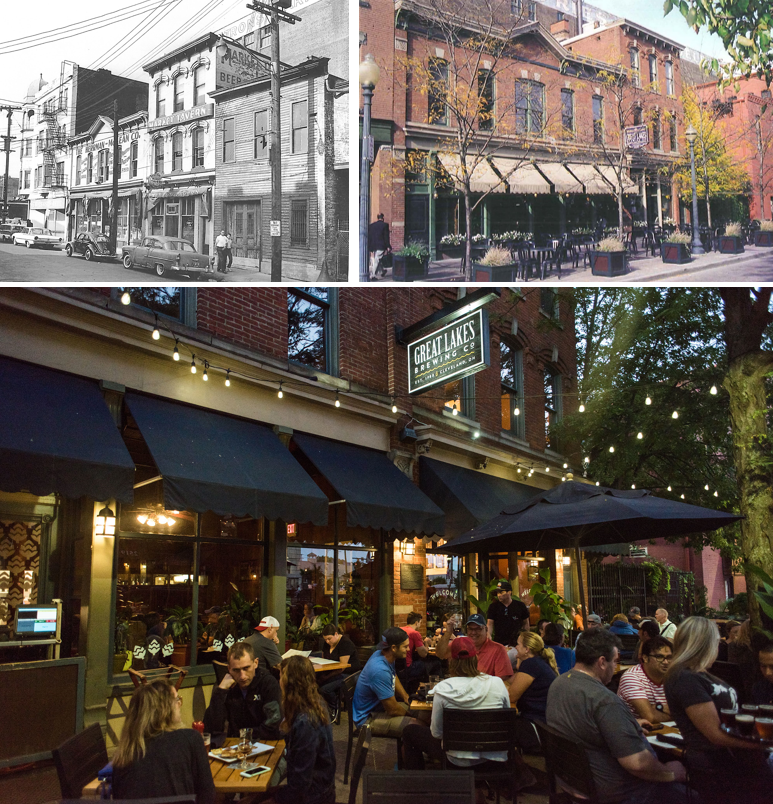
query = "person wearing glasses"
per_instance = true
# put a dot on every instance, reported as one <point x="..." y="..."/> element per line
<point x="641" y="687"/>
<point x="492" y="657"/>
<point x="156" y="755"/>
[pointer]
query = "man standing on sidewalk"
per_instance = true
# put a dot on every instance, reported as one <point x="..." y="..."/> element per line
<point x="221" y="244"/>
<point x="378" y="244"/>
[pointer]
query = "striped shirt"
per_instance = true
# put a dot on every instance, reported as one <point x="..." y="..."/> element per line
<point x="635" y="683"/>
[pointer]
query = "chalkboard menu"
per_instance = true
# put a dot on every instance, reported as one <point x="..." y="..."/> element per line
<point x="411" y="577"/>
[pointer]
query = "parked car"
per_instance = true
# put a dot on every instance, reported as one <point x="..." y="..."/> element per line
<point x="7" y="231"/>
<point x="167" y="255"/>
<point x="33" y="236"/>
<point x="90" y="245"/>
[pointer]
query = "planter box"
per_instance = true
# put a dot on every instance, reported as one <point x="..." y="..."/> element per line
<point x="730" y="244"/>
<point x="675" y="253"/>
<point x="608" y="263"/>
<point x="181" y="656"/>
<point x="451" y="252"/>
<point x="407" y="269"/>
<point x="763" y="239"/>
<point x="494" y="273"/>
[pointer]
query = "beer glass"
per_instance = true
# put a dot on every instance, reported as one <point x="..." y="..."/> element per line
<point x="764" y="726"/>
<point x="745" y="724"/>
<point x="245" y="745"/>
<point x="727" y="716"/>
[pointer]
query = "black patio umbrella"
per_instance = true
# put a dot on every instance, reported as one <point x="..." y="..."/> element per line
<point x="579" y="515"/>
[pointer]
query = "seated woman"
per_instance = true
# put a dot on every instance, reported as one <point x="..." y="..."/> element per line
<point x="695" y="698"/>
<point x="466" y="688"/>
<point x="537" y="670"/>
<point x="762" y="689"/>
<point x="309" y="764"/>
<point x="156" y="755"/>
<point x="554" y="638"/>
<point x="620" y="626"/>
<point x="338" y="648"/>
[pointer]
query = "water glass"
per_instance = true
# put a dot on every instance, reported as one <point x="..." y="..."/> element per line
<point x="207" y="740"/>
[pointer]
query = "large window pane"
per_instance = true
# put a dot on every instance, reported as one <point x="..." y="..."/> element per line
<point x="309" y="580"/>
<point x="165" y="301"/>
<point x="306" y="327"/>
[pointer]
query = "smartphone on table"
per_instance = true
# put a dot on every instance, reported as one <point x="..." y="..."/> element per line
<point x="256" y="771"/>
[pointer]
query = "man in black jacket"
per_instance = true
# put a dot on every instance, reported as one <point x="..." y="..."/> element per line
<point x="378" y="244"/>
<point x="248" y="697"/>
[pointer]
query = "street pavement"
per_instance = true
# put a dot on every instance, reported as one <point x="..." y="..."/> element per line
<point x="754" y="266"/>
<point x="36" y="266"/>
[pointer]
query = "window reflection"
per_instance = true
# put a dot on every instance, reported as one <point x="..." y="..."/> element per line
<point x="306" y="312"/>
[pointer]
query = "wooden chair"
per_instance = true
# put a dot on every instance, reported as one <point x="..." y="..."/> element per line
<point x="79" y="759"/>
<point x="486" y="730"/>
<point x="163" y="672"/>
<point x="348" y="694"/>
<point x="567" y="766"/>
<point x="427" y="787"/>
<point x="360" y="756"/>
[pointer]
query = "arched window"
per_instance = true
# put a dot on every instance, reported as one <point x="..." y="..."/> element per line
<point x="160" y="100"/>
<point x="199" y="85"/>
<point x="197" y="140"/>
<point x="158" y="155"/>
<point x="133" y="159"/>
<point x="179" y="93"/>
<point x="177" y="151"/>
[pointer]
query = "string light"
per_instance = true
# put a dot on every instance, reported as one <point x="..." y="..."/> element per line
<point x="706" y="487"/>
<point x="683" y="496"/>
<point x="205" y="376"/>
<point x="518" y="470"/>
<point x="156" y="334"/>
<point x="193" y="365"/>
<point x="716" y="494"/>
<point x="581" y="408"/>
<point x="566" y="466"/>
<point x="280" y="392"/>
<point x="713" y="390"/>
<point x="547" y="470"/>
<point x="597" y="483"/>
<point x="338" y="401"/>
<point x="176" y="353"/>
<point x="611" y="449"/>
<point x="675" y="415"/>
<point x="640" y="436"/>
<point x="648" y="401"/>
<point x="476" y="433"/>
<point x="126" y="298"/>
<point x="228" y="378"/>
<point x="587" y="459"/>
<point x="516" y="411"/>
<point x="563" y="479"/>
<point x="669" y="488"/>
<point x="454" y="408"/>
<point x="633" y="485"/>
<point x="394" y="406"/>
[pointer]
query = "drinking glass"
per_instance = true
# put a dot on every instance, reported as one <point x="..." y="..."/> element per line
<point x="432" y="681"/>
<point x="245" y="745"/>
<point x="764" y="726"/>
<point x="766" y="710"/>
<point x="745" y="724"/>
<point x="207" y="740"/>
<point x="749" y="709"/>
<point x="727" y="716"/>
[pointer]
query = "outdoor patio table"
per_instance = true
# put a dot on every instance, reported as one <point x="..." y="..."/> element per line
<point x="226" y="775"/>
<point x="324" y="668"/>
<point x="543" y="253"/>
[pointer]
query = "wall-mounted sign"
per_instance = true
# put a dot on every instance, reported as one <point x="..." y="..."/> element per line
<point x="452" y="351"/>
<point x="411" y="577"/>
<point x="236" y="65"/>
<point x="185" y="116"/>
<point x="636" y="137"/>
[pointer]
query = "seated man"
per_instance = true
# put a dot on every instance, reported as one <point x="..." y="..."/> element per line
<point x="264" y="642"/>
<point x="492" y="657"/>
<point x="762" y="690"/>
<point x="623" y="764"/>
<point x="641" y="687"/>
<point x="594" y="621"/>
<point x="247" y="697"/>
<point x="417" y="663"/>
<point x="378" y="688"/>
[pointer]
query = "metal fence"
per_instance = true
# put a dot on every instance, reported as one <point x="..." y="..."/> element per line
<point x="615" y="588"/>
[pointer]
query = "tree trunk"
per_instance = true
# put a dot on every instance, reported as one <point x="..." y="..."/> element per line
<point x="745" y="384"/>
<point x="708" y="202"/>
<point x="468" y="243"/>
<point x="620" y="213"/>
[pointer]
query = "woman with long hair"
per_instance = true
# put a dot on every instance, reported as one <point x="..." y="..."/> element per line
<point x="537" y="670"/>
<point x="695" y="698"/>
<point x="156" y="755"/>
<point x="309" y="753"/>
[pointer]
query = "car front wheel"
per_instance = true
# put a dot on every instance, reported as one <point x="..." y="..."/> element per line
<point x="28" y="244"/>
<point x="127" y="261"/>
<point x="89" y="255"/>
<point x="160" y="270"/>
<point x="68" y="250"/>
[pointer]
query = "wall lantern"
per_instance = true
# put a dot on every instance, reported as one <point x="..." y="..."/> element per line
<point x="104" y="524"/>
<point x="408" y="547"/>
<point x="567" y="561"/>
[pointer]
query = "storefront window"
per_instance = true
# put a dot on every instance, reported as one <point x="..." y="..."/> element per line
<point x="443" y="589"/>
<point x="123" y="221"/>
<point x="188" y="209"/>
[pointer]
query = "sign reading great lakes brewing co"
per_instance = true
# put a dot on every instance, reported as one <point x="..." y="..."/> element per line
<point x="636" y="137"/>
<point x="451" y="352"/>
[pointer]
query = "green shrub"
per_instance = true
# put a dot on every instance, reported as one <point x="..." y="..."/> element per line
<point x="414" y="248"/>
<point x="679" y="237"/>
<point x="611" y="244"/>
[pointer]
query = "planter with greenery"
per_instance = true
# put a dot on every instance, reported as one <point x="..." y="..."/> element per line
<point x="609" y="258"/>
<point x="411" y="262"/>
<point x="676" y="248"/>
<point x="731" y="242"/>
<point x="496" y="266"/>
<point x="451" y="246"/>
<point x="763" y="237"/>
<point x="179" y="624"/>
<point x="552" y="606"/>
<point x="244" y="615"/>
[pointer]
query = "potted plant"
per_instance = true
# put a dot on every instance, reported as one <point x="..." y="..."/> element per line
<point x="763" y="237"/>
<point x="244" y="615"/>
<point x="179" y="623"/>
<point x="411" y="262"/>
<point x="731" y="242"/>
<point x="496" y="266"/>
<point x="452" y="246"/>
<point x="552" y="606"/>
<point x="676" y="248"/>
<point x="609" y="258"/>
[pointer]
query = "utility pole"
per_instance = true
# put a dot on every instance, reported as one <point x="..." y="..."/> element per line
<point x="116" y="172"/>
<point x="7" y="149"/>
<point x="275" y="12"/>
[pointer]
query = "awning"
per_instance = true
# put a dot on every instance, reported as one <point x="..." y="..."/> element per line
<point x="377" y="493"/>
<point x="522" y="176"/>
<point x="483" y="177"/>
<point x="177" y="192"/>
<point x="58" y="436"/>
<point x="592" y="176"/>
<point x="467" y="497"/>
<point x="212" y="462"/>
<point x="560" y="177"/>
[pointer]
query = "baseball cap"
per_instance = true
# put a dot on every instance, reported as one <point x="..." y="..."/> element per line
<point x="463" y="648"/>
<point x="504" y="586"/>
<point x="267" y="622"/>
<point x="594" y="618"/>
<point x="213" y="610"/>
<point x="477" y="619"/>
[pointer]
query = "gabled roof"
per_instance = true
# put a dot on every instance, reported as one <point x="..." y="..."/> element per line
<point x="102" y="121"/>
<point x="205" y="42"/>
<point x="630" y="28"/>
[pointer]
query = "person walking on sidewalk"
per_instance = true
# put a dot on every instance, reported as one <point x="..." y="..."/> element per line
<point x="221" y="244"/>
<point x="229" y="255"/>
<point x="378" y="244"/>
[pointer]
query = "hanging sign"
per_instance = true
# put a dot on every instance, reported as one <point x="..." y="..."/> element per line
<point x="636" y="137"/>
<point x="236" y="64"/>
<point x="452" y="351"/>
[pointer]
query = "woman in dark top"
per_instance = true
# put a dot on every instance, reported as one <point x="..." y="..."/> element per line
<point x="309" y="752"/>
<point x="695" y="698"/>
<point x="338" y="648"/>
<point x="156" y="756"/>
<point x="537" y="670"/>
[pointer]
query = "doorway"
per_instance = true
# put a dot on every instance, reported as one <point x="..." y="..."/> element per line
<point x="243" y="221"/>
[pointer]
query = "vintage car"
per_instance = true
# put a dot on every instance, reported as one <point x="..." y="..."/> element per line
<point x="166" y="255"/>
<point x="34" y="236"/>
<point x="7" y="231"/>
<point x="90" y="245"/>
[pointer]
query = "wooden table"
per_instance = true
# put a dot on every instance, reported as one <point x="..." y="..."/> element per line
<point x="324" y="668"/>
<point x="673" y="751"/>
<point x="227" y="775"/>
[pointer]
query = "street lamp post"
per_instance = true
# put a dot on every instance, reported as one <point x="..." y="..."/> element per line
<point x="691" y="134"/>
<point x="369" y="74"/>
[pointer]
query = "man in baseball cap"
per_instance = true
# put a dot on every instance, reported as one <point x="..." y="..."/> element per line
<point x="506" y="617"/>
<point x="492" y="657"/>
<point x="264" y="642"/>
<point x="594" y="621"/>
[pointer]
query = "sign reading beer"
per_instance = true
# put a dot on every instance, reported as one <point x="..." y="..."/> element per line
<point x="636" y="137"/>
<point x="453" y="351"/>
<point x="236" y="65"/>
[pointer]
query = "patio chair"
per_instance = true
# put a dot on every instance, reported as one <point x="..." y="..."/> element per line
<point x="162" y="672"/>
<point x="360" y="756"/>
<point x="567" y="766"/>
<point x="79" y="759"/>
<point x="427" y="787"/>
<point x="629" y="642"/>
<point x="485" y="730"/>
<point x="527" y="262"/>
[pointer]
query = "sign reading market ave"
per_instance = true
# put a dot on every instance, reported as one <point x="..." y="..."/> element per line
<point x="449" y="353"/>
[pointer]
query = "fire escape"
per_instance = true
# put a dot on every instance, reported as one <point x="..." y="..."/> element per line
<point x="54" y="141"/>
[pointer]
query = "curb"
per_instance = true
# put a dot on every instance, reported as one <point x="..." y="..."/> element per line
<point x="676" y="272"/>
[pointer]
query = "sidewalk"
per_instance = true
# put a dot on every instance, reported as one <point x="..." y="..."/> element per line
<point x="640" y="269"/>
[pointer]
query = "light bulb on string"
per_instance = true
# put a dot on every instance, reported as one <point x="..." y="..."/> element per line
<point x="126" y="298"/>
<point x="338" y="401"/>
<point x="205" y="376"/>
<point x="516" y="411"/>
<point x="682" y="496"/>
<point x="280" y="393"/>
<point x="455" y="406"/>
<point x="669" y="488"/>
<point x="675" y="415"/>
<point x="394" y="406"/>
<point x="587" y="459"/>
<point x="648" y="401"/>
<point x="706" y="487"/>
<point x="566" y="466"/>
<point x="633" y="485"/>
<point x="547" y="469"/>
<point x="713" y="390"/>
<point x="597" y="483"/>
<point x="611" y="449"/>
<point x="640" y="436"/>
<point x="581" y="408"/>
<point x="193" y="365"/>
<point x="476" y="433"/>
<point x="156" y="334"/>
<point x="563" y="479"/>
<point x="716" y="494"/>
<point x="228" y="378"/>
<point x="176" y="353"/>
